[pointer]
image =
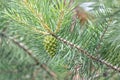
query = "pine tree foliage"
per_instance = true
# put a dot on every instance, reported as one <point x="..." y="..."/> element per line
<point x="36" y="42"/>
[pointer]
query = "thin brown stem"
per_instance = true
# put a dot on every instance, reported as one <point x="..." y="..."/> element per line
<point x="30" y="53"/>
<point x="87" y="53"/>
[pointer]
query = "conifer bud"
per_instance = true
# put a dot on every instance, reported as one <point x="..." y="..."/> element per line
<point x="50" y="45"/>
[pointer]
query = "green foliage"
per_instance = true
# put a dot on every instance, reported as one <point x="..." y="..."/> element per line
<point x="34" y="22"/>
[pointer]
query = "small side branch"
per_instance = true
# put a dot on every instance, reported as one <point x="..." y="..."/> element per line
<point x="101" y="39"/>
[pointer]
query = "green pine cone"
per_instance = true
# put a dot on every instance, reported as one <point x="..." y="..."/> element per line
<point x="50" y="45"/>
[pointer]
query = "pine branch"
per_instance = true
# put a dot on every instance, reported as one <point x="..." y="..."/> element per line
<point x="105" y="30"/>
<point x="101" y="38"/>
<point x="25" y="24"/>
<point x="86" y="53"/>
<point x="39" y="16"/>
<point x="29" y="52"/>
<point x="60" y="20"/>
